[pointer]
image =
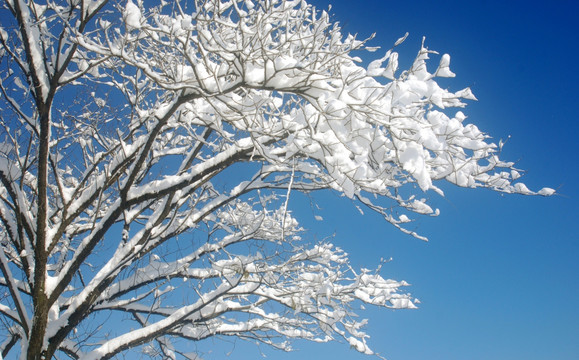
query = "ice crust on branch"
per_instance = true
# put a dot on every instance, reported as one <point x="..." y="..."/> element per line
<point x="149" y="152"/>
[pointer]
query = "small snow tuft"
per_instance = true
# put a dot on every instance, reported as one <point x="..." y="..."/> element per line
<point x="546" y="191"/>
<point x="132" y="15"/>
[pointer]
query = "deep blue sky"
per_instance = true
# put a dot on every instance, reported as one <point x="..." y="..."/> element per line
<point x="499" y="278"/>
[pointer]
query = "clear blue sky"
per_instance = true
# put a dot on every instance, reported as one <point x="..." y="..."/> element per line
<point x="499" y="278"/>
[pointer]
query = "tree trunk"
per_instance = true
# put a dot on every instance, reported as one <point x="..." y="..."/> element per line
<point x="40" y="300"/>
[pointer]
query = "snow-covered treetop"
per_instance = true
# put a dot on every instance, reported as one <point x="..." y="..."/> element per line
<point x="283" y="74"/>
<point x="126" y="125"/>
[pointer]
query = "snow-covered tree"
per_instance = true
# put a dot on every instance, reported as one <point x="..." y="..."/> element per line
<point x="148" y="152"/>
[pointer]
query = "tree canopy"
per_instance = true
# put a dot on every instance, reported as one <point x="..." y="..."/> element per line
<point x="148" y="152"/>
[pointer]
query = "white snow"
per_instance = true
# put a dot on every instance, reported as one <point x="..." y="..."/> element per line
<point x="546" y="191"/>
<point x="132" y="15"/>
